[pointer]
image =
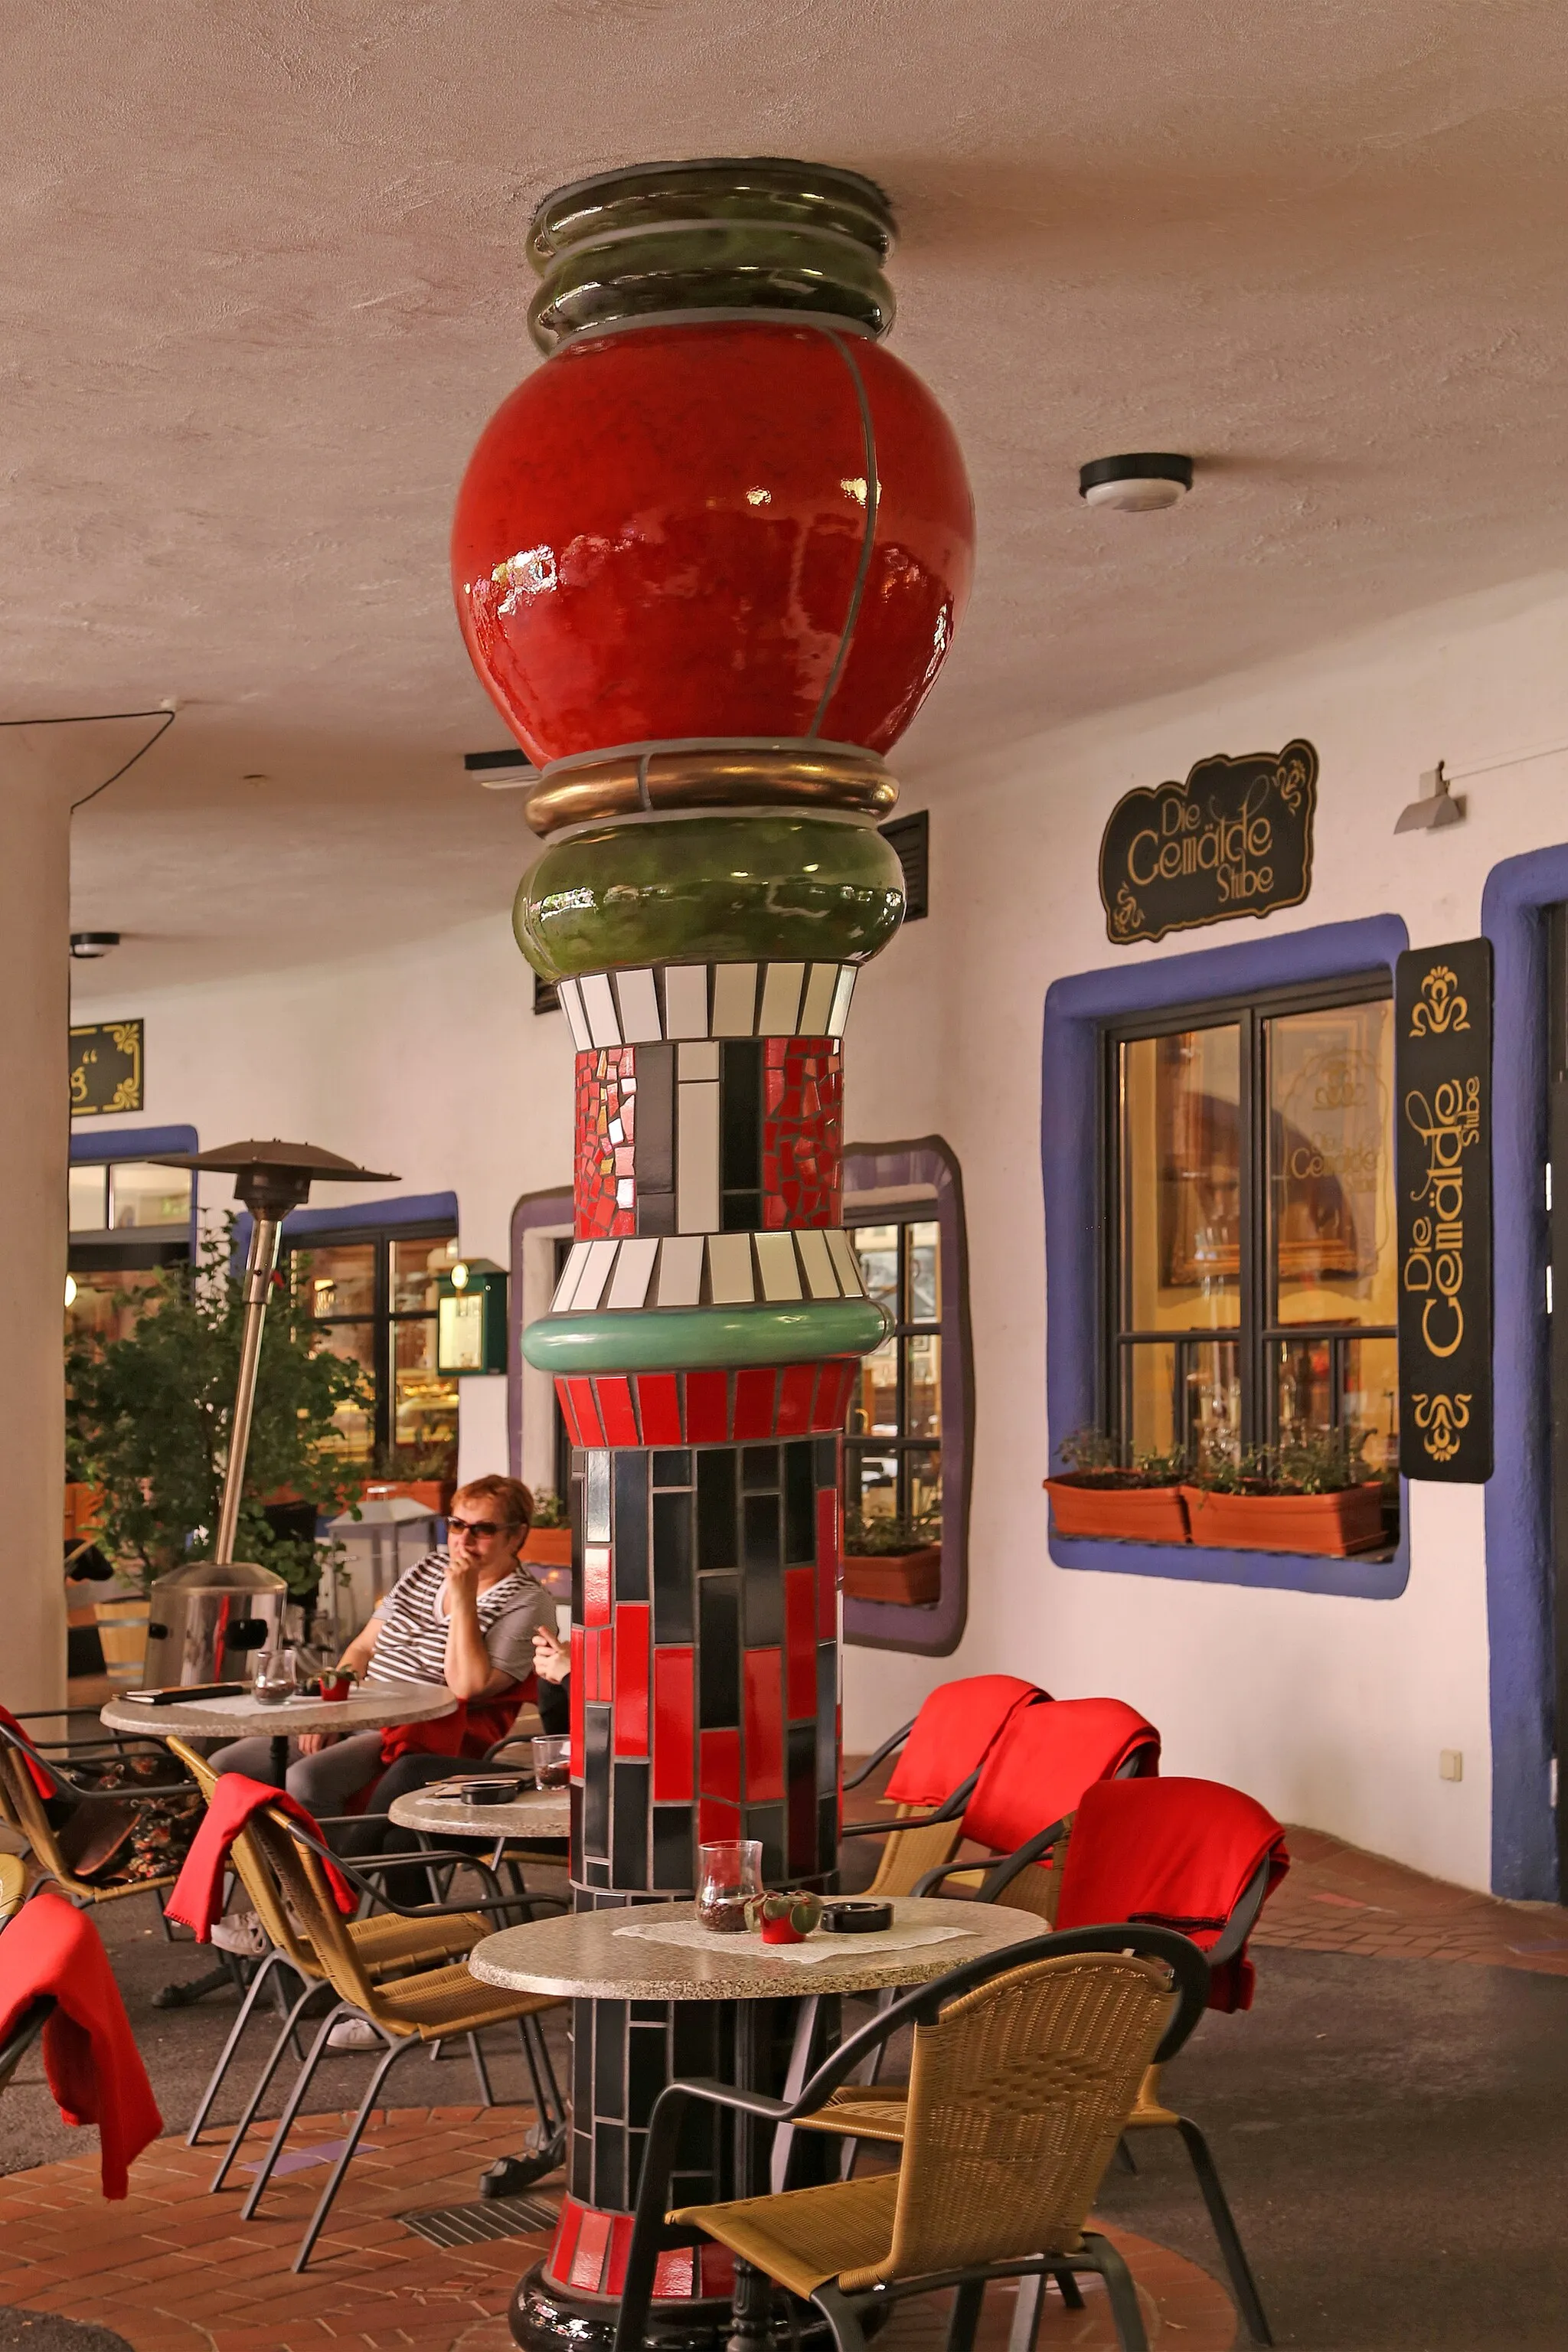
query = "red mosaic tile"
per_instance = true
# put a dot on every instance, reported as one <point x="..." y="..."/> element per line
<point x="803" y="1133"/>
<point x="673" y="1766"/>
<point x="707" y="1408"/>
<point x="568" y="1410"/>
<point x="797" y="1386"/>
<point x="595" y="1585"/>
<point x="720" y="1755"/>
<point x="828" y="1563"/>
<point x="659" y="1407"/>
<point x="631" y="1636"/>
<point x="765" y="1725"/>
<point x="755" y="1390"/>
<point x="834" y="1390"/>
<point x="616" y="1413"/>
<point x="587" y="1413"/>
<point x="588" y="2255"/>
<point x="604" y="1184"/>
<point x="800" y="1643"/>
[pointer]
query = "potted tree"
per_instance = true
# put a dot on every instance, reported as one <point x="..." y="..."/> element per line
<point x="1312" y="1493"/>
<point x="888" y="1559"/>
<point x="147" y="1427"/>
<point x="1096" y="1495"/>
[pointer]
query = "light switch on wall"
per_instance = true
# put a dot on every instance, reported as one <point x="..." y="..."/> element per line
<point x="1450" y="1764"/>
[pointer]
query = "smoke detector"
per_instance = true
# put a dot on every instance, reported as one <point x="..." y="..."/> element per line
<point x="1135" y="485"/>
<point x="88" y="945"/>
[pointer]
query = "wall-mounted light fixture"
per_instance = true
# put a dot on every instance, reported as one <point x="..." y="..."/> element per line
<point x="501" y="771"/>
<point x="1135" y="485"/>
<point x="1433" y="807"/>
<point x="88" y="945"/>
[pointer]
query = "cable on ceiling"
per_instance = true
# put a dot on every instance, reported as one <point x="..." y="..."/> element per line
<point x="96" y="717"/>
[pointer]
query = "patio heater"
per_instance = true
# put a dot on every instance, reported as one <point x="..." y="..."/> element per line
<point x="203" y="1613"/>
<point x="708" y="560"/>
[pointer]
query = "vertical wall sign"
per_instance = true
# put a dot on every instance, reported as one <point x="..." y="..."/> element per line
<point x="1443" y="1173"/>
<point x="106" y="1068"/>
<point x="1235" y="839"/>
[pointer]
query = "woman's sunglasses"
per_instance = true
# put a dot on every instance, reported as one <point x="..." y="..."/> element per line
<point x="482" y="1529"/>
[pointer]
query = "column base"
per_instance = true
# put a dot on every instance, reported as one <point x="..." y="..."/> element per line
<point x="544" y="2318"/>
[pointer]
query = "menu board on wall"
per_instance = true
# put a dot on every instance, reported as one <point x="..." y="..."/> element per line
<point x="1443" y="1166"/>
<point x="106" y="1068"/>
<point x="1235" y="839"/>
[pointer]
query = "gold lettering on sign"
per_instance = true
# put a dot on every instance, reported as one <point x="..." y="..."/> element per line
<point x="1439" y="1420"/>
<point x="1441" y="1007"/>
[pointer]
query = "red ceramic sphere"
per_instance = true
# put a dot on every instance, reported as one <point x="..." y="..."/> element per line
<point x="662" y="534"/>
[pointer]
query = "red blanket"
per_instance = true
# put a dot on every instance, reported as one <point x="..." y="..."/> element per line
<point x="35" y="1773"/>
<point x="197" y="1901"/>
<point x="1175" y="1854"/>
<point x="952" y="1731"/>
<point x="94" y="2067"/>
<point x="476" y="1726"/>
<point x="1043" y="1762"/>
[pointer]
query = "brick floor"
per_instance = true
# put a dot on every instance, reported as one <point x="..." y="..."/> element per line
<point x="172" y="2271"/>
<point x="1338" y="1899"/>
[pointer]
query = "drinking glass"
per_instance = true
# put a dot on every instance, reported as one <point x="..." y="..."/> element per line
<point x="551" y="1760"/>
<point x="729" y="1875"/>
<point x="275" y="1677"/>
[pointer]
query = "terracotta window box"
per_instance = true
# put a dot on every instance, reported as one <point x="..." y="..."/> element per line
<point x="1088" y="1506"/>
<point x="434" y="1493"/>
<point x="548" y="1548"/>
<point x="912" y="1579"/>
<point x="1332" y="1525"/>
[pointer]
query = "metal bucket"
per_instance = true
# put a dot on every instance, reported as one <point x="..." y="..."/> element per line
<point x="209" y="1620"/>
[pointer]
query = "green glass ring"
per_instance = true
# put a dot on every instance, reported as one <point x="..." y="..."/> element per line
<point x="717" y="1339"/>
<point x="709" y="889"/>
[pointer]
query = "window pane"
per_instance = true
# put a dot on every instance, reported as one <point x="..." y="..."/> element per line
<point x="1213" y="1398"/>
<point x="1369" y="1409"/>
<point x="1330" y="1190"/>
<point x="924" y="1467"/>
<point x="877" y="1247"/>
<point x="871" y="1484"/>
<point x="141" y="1194"/>
<point x="922" y="1390"/>
<point x="426" y="1410"/>
<point x="338" y="1280"/>
<point x="355" y="1423"/>
<point x="1181" y="1150"/>
<point x="1150" y="1374"/>
<point x="923" y="1278"/>
<point x="874" y="1409"/>
<point x="416" y="1268"/>
<point x="87" y="1199"/>
<point x="93" y="1312"/>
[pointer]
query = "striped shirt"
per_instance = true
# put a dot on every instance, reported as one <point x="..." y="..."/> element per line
<point x="412" y="1628"/>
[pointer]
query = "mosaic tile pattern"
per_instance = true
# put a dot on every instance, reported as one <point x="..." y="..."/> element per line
<point x="604" y="1167"/>
<point x="707" y="1269"/>
<point x="637" y="1007"/>
<point x="802" y="1132"/>
<point x="708" y="1408"/>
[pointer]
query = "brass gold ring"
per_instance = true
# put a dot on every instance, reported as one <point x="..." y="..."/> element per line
<point x="629" y="784"/>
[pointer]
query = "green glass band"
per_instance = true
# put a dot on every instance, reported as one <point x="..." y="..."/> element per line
<point x="719" y="1338"/>
<point x="709" y="889"/>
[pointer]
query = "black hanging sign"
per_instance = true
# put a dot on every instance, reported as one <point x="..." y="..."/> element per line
<point x="1443" y="1174"/>
<point x="1235" y="839"/>
<point x="106" y="1068"/>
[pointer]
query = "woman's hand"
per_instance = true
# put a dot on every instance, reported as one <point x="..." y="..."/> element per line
<point x="552" y="1659"/>
<point x="312" y="1742"/>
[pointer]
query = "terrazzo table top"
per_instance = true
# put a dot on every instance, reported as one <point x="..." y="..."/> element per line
<point x="535" y="1812"/>
<point x="580" y="1957"/>
<point x="372" y="1707"/>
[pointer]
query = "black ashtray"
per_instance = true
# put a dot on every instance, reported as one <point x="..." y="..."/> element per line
<point x="478" y="1792"/>
<point x="857" y="1918"/>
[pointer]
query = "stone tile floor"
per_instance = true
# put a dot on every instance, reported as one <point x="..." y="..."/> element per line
<point x="1339" y="1899"/>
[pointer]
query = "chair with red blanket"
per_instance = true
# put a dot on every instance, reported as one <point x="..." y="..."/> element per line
<point x="1204" y="1859"/>
<point x="944" y="1749"/>
<point x="54" y="1978"/>
<point x="1029" y="1787"/>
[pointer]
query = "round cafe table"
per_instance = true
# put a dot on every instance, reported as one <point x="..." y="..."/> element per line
<point x="370" y="1706"/>
<point x="533" y="1814"/>
<point x="583" y="1957"/>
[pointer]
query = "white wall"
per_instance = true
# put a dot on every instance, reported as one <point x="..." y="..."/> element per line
<point x="429" y="1060"/>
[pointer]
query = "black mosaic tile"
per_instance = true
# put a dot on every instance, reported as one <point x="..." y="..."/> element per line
<point x="767" y="1823"/>
<point x="628" y="1857"/>
<point x="610" y="2061"/>
<point x="761" y="1580"/>
<point x="672" y="1598"/>
<point x="648" y="2071"/>
<point x="674" y="1858"/>
<point x="597" y="1781"/>
<point x="654" y="1152"/>
<point x="800" y="1501"/>
<point x="717" y="1544"/>
<point x="740" y="1118"/>
<point x="629" y="1560"/>
<point x="719" y="1652"/>
<point x="759" y="1469"/>
<point x="609" y="2167"/>
<point x="826" y="1450"/>
<point x="800" y="1784"/>
<point x="826" y="1717"/>
<point x="672" y="1465"/>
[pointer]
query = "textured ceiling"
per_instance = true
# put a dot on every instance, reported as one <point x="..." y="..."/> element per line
<point x="265" y="281"/>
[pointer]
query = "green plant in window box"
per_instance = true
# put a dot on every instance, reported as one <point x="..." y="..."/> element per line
<point x="549" y="1510"/>
<point x="1312" y="1492"/>
<point x="888" y="1557"/>
<point x="147" y="1419"/>
<point x="1100" y="1495"/>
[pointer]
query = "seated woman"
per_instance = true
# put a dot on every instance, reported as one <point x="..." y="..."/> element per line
<point x="464" y="1615"/>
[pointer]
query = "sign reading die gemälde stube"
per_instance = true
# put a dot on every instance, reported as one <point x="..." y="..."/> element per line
<point x="1443" y="1170"/>
<point x="1235" y="839"/>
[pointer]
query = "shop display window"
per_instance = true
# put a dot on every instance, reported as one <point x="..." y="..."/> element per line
<point x="893" y="1440"/>
<point x="374" y="1296"/>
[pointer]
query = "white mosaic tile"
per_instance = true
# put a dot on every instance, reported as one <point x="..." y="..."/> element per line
<point x="730" y="1269"/>
<point x="696" y="1158"/>
<point x="571" y="1273"/>
<point x="599" y="1004"/>
<point x="734" y="1000"/>
<point x="817" y="1001"/>
<point x="697" y="1061"/>
<point x="846" y="1264"/>
<point x="781" y="999"/>
<point x="576" y="1019"/>
<point x="633" y="1272"/>
<point x="596" y="1273"/>
<point x="639" y="1007"/>
<point x="680" y="1270"/>
<point x="776" y="1261"/>
<point x="841" y="996"/>
<point x="811" y="1243"/>
<point x="686" y="1000"/>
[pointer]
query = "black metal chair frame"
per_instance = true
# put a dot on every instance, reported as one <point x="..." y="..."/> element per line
<point x="651" y="2233"/>
<point x="25" y="2032"/>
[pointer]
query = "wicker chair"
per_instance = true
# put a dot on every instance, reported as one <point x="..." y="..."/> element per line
<point x="389" y="1944"/>
<point x="1025" y="2065"/>
<point x="12" y="1885"/>
<point x="411" y="2011"/>
<point x="22" y="1809"/>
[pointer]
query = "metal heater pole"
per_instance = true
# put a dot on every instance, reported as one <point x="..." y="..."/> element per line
<point x="259" y="1267"/>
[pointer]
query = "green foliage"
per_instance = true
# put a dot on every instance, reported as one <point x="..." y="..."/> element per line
<point x="1092" y="1455"/>
<point x="549" y="1510"/>
<point x="148" y="1418"/>
<point x="1307" y="1461"/>
<point x="410" y="1464"/>
<point x="871" y="1536"/>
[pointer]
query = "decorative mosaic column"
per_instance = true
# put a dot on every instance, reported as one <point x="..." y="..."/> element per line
<point x="707" y="562"/>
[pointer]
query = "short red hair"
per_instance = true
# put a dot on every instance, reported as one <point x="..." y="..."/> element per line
<point x="516" y="1502"/>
